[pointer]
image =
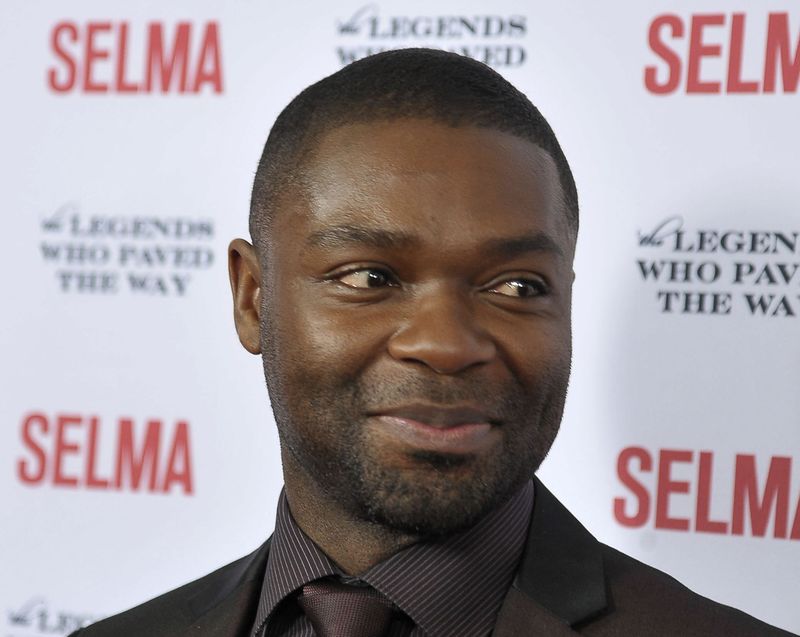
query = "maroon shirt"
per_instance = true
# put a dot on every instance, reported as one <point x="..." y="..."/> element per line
<point x="451" y="587"/>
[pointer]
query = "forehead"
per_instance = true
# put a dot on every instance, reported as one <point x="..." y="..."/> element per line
<point x="433" y="177"/>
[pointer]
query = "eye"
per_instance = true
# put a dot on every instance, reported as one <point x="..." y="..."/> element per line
<point x="367" y="278"/>
<point x="520" y="288"/>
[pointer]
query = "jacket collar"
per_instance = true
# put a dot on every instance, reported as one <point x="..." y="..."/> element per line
<point x="560" y="581"/>
<point x="226" y="606"/>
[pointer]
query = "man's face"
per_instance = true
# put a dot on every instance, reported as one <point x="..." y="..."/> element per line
<point x="415" y="321"/>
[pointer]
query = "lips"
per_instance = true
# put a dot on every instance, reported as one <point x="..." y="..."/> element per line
<point x="443" y="429"/>
<point x="440" y="417"/>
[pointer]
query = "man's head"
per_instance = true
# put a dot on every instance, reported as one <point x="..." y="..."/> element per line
<point x="410" y="289"/>
<point x="410" y="83"/>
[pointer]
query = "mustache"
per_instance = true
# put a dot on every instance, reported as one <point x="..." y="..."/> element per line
<point x="499" y="399"/>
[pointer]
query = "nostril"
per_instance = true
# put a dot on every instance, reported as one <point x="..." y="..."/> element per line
<point x="445" y="348"/>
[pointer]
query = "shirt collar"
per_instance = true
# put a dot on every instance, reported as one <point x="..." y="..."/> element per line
<point x="294" y="560"/>
<point x="455" y="586"/>
<point x="449" y="587"/>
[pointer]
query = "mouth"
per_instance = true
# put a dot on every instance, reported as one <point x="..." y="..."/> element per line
<point x="438" y="428"/>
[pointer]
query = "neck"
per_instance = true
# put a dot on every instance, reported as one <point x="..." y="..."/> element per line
<point x="354" y="544"/>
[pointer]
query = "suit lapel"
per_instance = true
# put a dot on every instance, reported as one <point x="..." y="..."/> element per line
<point x="560" y="581"/>
<point x="226" y="607"/>
<point x="520" y="616"/>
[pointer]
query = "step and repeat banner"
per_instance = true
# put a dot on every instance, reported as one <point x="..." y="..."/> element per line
<point x="137" y="447"/>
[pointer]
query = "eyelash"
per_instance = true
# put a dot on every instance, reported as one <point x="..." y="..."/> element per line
<point x="540" y="287"/>
<point x="391" y="278"/>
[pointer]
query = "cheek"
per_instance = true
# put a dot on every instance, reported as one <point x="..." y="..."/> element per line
<point x="332" y="336"/>
<point x="537" y="349"/>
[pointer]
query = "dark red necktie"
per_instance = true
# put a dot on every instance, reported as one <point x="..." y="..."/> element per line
<point x="342" y="610"/>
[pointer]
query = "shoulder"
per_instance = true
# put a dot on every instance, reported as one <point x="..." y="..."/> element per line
<point x="641" y="598"/>
<point x="599" y="591"/>
<point x="178" y="610"/>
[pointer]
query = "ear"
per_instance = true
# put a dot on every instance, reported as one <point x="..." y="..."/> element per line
<point x="245" y="275"/>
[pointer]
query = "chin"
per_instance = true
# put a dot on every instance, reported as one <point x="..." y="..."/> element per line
<point x="450" y="495"/>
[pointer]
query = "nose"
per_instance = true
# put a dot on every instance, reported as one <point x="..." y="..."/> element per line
<point x="441" y="332"/>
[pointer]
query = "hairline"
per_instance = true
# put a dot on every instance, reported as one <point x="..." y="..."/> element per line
<point x="295" y="177"/>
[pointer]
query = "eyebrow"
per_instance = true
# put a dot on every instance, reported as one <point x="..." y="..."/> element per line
<point x="341" y="236"/>
<point x="525" y="244"/>
<point x="346" y="235"/>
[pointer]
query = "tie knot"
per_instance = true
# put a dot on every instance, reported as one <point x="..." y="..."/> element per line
<point x="344" y="610"/>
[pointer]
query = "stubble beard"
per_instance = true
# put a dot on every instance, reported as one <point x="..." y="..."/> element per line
<point x="320" y="420"/>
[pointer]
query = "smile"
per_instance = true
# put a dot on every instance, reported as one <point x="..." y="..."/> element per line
<point x="455" y="430"/>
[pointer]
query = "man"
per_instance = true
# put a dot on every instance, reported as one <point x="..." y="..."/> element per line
<point x="409" y="287"/>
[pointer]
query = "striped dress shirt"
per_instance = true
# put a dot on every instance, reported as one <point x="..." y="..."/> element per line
<point x="451" y="587"/>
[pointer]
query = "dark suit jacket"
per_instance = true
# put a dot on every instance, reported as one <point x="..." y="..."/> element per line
<point x="568" y="583"/>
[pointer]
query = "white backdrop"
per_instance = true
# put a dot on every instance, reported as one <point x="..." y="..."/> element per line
<point x="137" y="449"/>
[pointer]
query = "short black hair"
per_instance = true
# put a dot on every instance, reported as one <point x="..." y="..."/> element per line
<point x="407" y="83"/>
